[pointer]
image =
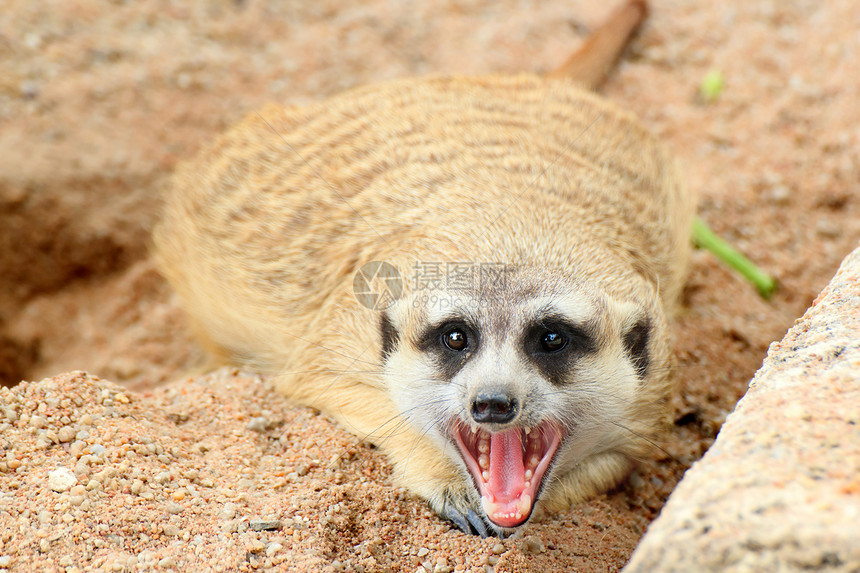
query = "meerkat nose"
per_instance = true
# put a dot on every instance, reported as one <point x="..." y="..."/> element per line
<point x="494" y="407"/>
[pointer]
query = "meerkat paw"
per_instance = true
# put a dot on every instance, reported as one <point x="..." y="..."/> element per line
<point x="454" y="504"/>
<point x="420" y="468"/>
<point x="469" y="522"/>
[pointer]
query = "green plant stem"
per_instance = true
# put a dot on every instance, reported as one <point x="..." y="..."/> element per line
<point x="704" y="238"/>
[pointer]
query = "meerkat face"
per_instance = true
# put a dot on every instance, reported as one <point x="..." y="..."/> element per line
<point x="517" y="386"/>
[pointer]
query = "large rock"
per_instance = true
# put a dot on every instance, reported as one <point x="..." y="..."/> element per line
<point x="780" y="488"/>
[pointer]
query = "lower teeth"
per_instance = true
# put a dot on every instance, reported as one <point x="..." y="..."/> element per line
<point x="491" y="509"/>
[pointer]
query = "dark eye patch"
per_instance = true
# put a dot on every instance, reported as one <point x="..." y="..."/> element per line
<point x="636" y="345"/>
<point x="390" y="336"/>
<point x="578" y="338"/>
<point x="554" y="344"/>
<point x="451" y="343"/>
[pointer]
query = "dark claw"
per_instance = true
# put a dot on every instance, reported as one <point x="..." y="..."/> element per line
<point x="478" y="524"/>
<point x="453" y="514"/>
<point x="471" y="523"/>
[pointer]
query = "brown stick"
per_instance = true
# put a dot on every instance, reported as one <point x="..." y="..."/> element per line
<point x="591" y="64"/>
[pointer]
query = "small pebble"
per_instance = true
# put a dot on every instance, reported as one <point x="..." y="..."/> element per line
<point x="828" y="229"/>
<point x="228" y="511"/>
<point x="532" y="544"/>
<point x="183" y="80"/>
<point x="255" y="546"/>
<point x="273" y="548"/>
<point x="61" y="479"/>
<point x="498" y="549"/>
<point x="302" y="470"/>
<point x="5" y="560"/>
<point x="29" y="89"/>
<point x="33" y="41"/>
<point x="9" y="413"/>
<point x="174" y="508"/>
<point x="423" y="551"/>
<point x="170" y="530"/>
<point x="266" y="524"/>
<point x="201" y="447"/>
<point x="66" y="434"/>
<point x="780" y="195"/>
<point x="146" y="557"/>
<point x="259" y="424"/>
<point x="77" y="448"/>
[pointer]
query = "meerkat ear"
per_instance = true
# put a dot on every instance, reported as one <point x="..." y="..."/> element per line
<point x="636" y="336"/>
<point x="389" y="334"/>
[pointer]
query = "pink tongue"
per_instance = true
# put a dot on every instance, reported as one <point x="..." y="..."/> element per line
<point x="506" y="481"/>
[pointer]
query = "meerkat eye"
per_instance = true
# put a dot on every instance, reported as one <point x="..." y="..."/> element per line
<point x="455" y="340"/>
<point x="553" y="342"/>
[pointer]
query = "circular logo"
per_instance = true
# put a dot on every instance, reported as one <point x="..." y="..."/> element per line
<point x="377" y="285"/>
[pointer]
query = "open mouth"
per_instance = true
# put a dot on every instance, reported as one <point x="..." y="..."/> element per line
<point x="508" y="467"/>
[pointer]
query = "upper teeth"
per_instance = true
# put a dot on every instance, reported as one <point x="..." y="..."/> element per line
<point x="531" y="446"/>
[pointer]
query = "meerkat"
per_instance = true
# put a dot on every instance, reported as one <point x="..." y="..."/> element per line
<point x="527" y="238"/>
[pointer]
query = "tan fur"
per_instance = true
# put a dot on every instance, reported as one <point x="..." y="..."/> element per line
<point x="265" y="229"/>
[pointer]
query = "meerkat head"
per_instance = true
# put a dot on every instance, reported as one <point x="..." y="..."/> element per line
<point x="519" y="384"/>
